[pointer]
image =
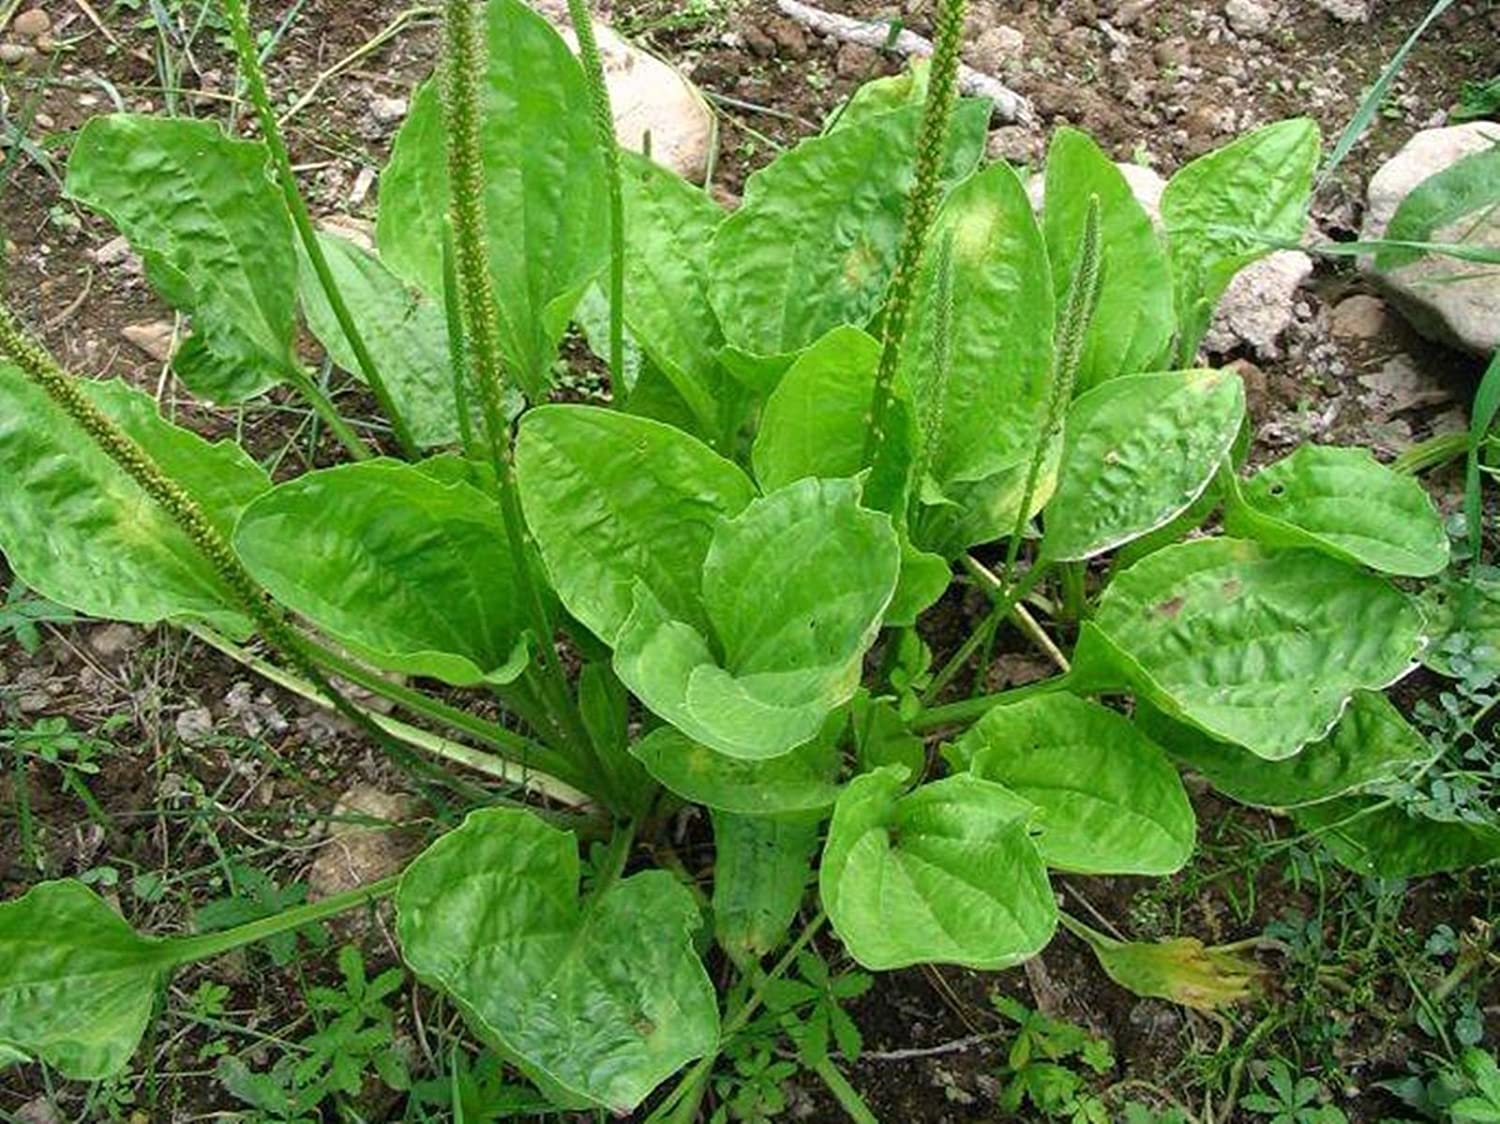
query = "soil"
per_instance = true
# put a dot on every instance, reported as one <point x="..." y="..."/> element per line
<point x="254" y="780"/>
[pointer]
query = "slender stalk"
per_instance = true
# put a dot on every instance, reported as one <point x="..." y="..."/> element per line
<point x="521" y="758"/>
<point x="323" y="406"/>
<point x="736" y="1022"/>
<point x="1005" y="600"/>
<point x="255" y="82"/>
<point x="1083" y="299"/>
<point x="1027" y="623"/>
<point x="185" y="950"/>
<point x="921" y="207"/>
<point x="462" y="67"/>
<point x="604" y="126"/>
<point x="970" y="710"/>
<point x="848" y="1097"/>
<point x="38" y="366"/>
<point x="458" y="357"/>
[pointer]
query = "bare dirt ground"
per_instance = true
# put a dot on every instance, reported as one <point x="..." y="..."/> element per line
<point x="173" y="778"/>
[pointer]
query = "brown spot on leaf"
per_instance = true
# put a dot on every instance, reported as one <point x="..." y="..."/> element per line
<point x="1231" y="587"/>
<point x="1170" y="607"/>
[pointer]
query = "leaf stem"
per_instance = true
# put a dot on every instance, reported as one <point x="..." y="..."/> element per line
<point x="970" y="710"/>
<point x="843" y="1092"/>
<point x="323" y="406"/>
<point x="1004" y="602"/>
<point x="255" y="81"/>
<point x="604" y="126"/>
<point x="737" y="1021"/>
<point x="921" y="207"/>
<point x="185" y="950"/>
<point x="463" y="63"/>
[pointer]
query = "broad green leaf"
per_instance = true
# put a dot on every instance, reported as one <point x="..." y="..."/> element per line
<point x="814" y="422"/>
<point x="83" y="534"/>
<point x="881" y="736"/>
<point x="946" y="874"/>
<point x="544" y="205"/>
<point x="1371" y="744"/>
<point x="1464" y="188"/>
<point x="884" y="95"/>
<point x="814" y="242"/>
<point x="762" y="865"/>
<point x="986" y="416"/>
<point x="600" y="1000"/>
<point x="614" y="500"/>
<point x="1108" y="801"/>
<point x="806" y="779"/>
<point x="77" y="983"/>
<point x="214" y="234"/>
<point x="968" y="513"/>
<point x="669" y="225"/>
<point x="794" y="588"/>
<point x="1374" y="838"/>
<point x="1137" y="452"/>
<point x="1345" y="503"/>
<point x="1134" y="320"/>
<point x="1463" y="613"/>
<point x="1254" y="645"/>
<point x="1230" y="207"/>
<point x="406" y="333"/>
<point x="411" y="572"/>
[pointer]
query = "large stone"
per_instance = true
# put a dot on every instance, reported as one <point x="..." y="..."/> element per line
<point x="1258" y="305"/>
<point x="1247" y="17"/>
<point x="1454" y="302"/>
<point x="357" y="854"/>
<point x="649" y="98"/>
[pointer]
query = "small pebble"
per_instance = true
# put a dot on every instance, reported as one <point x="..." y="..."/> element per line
<point x="32" y="23"/>
<point x="14" y="54"/>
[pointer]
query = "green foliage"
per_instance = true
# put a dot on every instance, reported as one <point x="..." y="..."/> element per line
<point x="1286" y="1099"/>
<point x="740" y="541"/>
<point x="213" y="233"/>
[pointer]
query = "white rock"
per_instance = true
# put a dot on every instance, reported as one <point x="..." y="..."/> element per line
<point x="1346" y="11"/>
<point x="195" y="726"/>
<point x="13" y="54"/>
<point x="1452" y="301"/>
<point x="113" y="252"/>
<point x="1259" y="304"/>
<point x="388" y="111"/>
<point x="995" y="47"/>
<point x="1246" y="17"/>
<point x="154" y="338"/>
<point x="1146" y="186"/>
<point x="356" y="854"/>
<point x="650" y="98"/>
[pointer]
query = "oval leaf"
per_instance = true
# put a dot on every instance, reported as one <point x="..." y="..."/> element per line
<point x="405" y="332"/>
<point x="762" y="865"/>
<point x="1108" y="800"/>
<point x="412" y="572"/>
<point x="1230" y="207"/>
<point x="77" y="983"/>
<point x="800" y="781"/>
<point x="614" y="500"/>
<point x="814" y="242"/>
<point x="544" y="200"/>
<point x="214" y="234"/>
<point x="1138" y="452"/>
<point x="1373" y="838"/>
<point x="1134" y="319"/>
<point x="1371" y="744"/>
<point x="669" y="225"/>
<point x="82" y="533"/>
<point x="600" y="1000"/>
<point x="986" y="415"/>
<point x="1348" y="504"/>
<point x="794" y="588"/>
<point x="1254" y="645"/>
<point x="946" y="874"/>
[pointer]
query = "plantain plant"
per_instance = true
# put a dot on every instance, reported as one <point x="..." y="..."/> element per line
<point x="828" y="407"/>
